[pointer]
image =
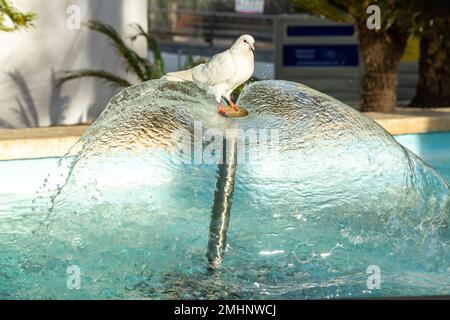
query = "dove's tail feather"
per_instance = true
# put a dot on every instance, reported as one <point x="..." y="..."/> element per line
<point x="184" y="75"/>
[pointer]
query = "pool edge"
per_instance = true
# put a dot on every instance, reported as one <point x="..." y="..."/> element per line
<point x="46" y="142"/>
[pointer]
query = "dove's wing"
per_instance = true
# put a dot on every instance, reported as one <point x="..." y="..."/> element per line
<point x="218" y="70"/>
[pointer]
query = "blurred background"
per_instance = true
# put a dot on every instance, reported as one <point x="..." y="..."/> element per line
<point x="62" y="60"/>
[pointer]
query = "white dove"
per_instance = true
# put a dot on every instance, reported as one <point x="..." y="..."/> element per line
<point x="224" y="72"/>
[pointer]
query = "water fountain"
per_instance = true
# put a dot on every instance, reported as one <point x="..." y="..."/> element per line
<point x="303" y="215"/>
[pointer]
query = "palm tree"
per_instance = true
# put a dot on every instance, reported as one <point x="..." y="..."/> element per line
<point x="381" y="50"/>
<point x="15" y="18"/>
<point x="141" y="67"/>
<point x="433" y="89"/>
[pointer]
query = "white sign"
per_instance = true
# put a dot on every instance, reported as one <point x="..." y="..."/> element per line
<point x="249" y="6"/>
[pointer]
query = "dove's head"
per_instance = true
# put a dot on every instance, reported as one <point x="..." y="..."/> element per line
<point x="245" y="42"/>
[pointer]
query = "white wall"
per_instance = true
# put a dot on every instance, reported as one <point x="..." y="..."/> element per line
<point x="29" y="56"/>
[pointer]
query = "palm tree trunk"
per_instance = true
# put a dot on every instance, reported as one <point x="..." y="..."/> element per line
<point x="433" y="89"/>
<point x="381" y="52"/>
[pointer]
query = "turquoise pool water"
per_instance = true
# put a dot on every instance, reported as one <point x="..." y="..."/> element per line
<point x="433" y="148"/>
<point x="334" y="272"/>
<point x="337" y="208"/>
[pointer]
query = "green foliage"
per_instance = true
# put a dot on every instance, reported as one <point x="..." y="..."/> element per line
<point x="100" y="74"/>
<point x="132" y="62"/>
<point x="333" y="10"/>
<point x="354" y="11"/>
<point x="15" y="18"/>
<point x="432" y="15"/>
<point x="153" y="46"/>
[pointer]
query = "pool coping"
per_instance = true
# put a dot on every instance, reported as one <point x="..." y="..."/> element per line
<point x="38" y="142"/>
<point x="413" y="120"/>
<point x="56" y="141"/>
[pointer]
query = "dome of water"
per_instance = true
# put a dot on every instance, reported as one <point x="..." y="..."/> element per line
<point x="321" y="194"/>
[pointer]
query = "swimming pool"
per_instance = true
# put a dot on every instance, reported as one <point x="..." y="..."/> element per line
<point x="433" y="148"/>
<point x="23" y="203"/>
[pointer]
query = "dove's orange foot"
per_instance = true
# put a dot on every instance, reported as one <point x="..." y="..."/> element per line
<point x="220" y="109"/>
<point x="231" y="103"/>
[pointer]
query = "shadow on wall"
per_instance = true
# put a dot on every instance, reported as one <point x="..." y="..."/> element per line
<point x="31" y="99"/>
<point x="26" y="107"/>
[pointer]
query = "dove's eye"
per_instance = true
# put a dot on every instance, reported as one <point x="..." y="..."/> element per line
<point x="245" y="41"/>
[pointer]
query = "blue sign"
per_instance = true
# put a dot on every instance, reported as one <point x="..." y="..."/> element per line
<point x="320" y="55"/>
<point x="320" y="31"/>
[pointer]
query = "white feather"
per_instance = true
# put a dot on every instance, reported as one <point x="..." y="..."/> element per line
<point x="224" y="72"/>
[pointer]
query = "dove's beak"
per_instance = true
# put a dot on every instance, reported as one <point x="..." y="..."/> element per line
<point x="252" y="47"/>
